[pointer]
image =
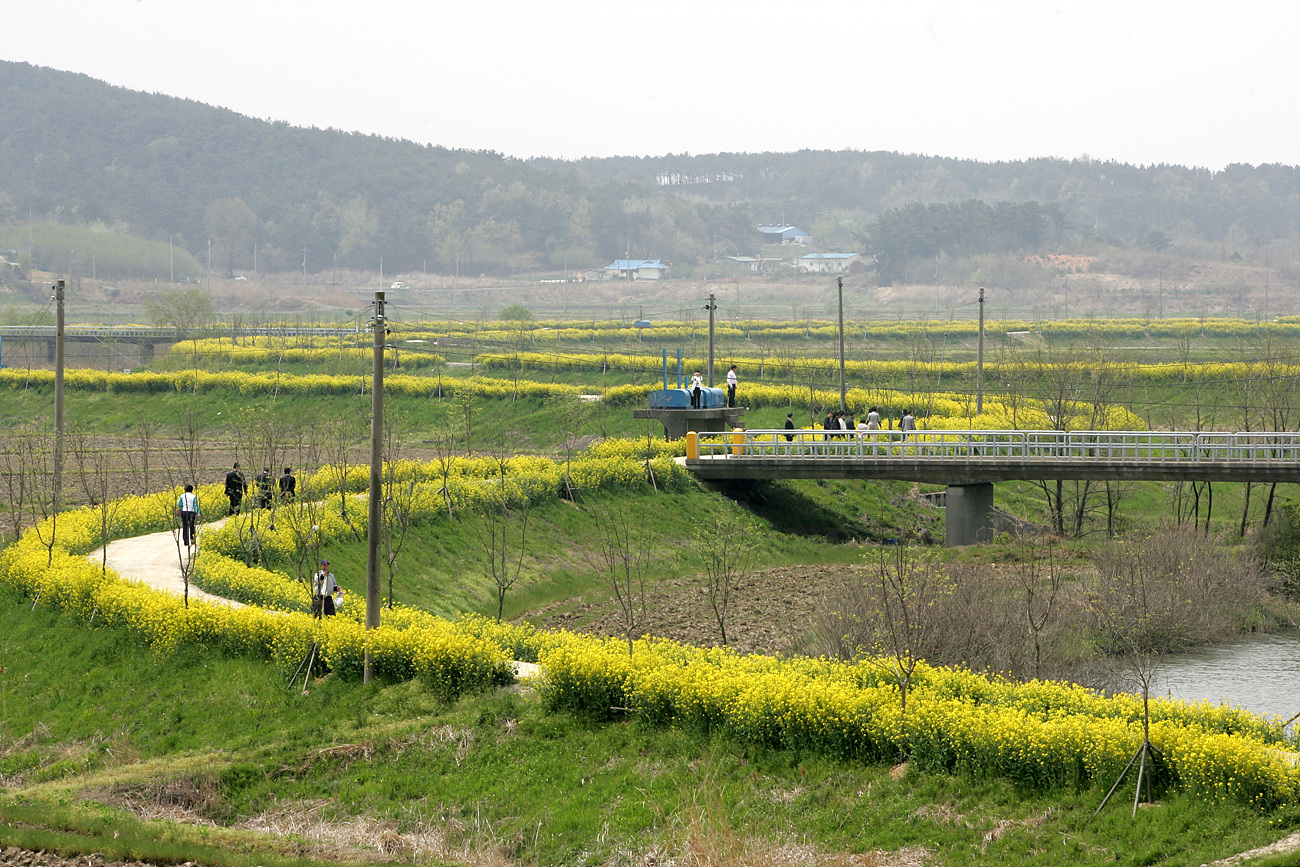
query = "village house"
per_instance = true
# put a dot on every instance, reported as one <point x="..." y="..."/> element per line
<point x="826" y="263"/>
<point x="783" y="235"/>
<point x="636" y="269"/>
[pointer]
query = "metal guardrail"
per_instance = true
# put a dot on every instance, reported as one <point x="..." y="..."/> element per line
<point x="1115" y="447"/>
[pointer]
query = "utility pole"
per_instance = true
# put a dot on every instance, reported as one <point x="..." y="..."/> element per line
<point x="839" y="281"/>
<point x="58" y="403"/>
<point x="711" y="306"/>
<point x="979" y="361"/>
<point x="376" y="477"/>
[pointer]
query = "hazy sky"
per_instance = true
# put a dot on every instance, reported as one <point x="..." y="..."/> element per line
<point x="1193" y="82"/>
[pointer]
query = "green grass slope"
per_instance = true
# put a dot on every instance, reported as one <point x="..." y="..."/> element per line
<point x="109" y="748"/>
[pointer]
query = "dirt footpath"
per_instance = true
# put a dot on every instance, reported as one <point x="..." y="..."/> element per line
<point x="155" y="560"/>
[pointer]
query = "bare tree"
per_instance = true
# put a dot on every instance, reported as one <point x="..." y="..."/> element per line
<point x="139" y="459"/>
<point x="907" y="584"/>
<point x="464" y="399"/>
<point x="444" y="440"/>
<point x="505" y="519"/>
<point x="728" y="549"/>
<point x="35" y="460"/>
<point x="344" y="435"/>
<point x="622" y="556"/>
<point x="397" y="502"/>
<point x="1038" y="575"/>
<point x="20" y="466"/>
<point x="95" y="471"/>
<point x="188" y="432"/>
<point x="572" y="416"/>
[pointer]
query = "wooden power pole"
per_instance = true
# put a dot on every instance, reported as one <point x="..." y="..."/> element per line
<point x="374" y="524"/>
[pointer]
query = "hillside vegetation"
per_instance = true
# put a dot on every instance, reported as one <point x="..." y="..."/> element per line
<point x="244" y="194"/>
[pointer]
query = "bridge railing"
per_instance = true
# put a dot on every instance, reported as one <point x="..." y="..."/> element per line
<point x="993" y="445"/>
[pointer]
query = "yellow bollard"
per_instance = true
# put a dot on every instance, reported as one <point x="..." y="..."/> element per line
<point x="737" y="440"/>
<point x="692" y="445"/>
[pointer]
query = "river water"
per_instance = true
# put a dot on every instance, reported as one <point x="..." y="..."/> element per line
<point x="1260" y="674"/>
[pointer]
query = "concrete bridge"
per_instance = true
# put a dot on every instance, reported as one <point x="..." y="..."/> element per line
<point x="970" y="461"/>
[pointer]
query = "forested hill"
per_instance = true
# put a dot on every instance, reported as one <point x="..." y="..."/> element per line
<point x="74" y="149"/>
<point x="1114" y="200"/>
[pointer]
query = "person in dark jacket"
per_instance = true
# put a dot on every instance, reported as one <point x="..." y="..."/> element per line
<point x="236" y="486"/>
<point x="265" y="488"/>
<point x="288" y="486"/>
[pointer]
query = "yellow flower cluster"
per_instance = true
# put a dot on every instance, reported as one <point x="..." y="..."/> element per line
<point x="826" y="369"/>
<point x="1038" y="734"/>
<point x="450" y="657"/>
<point x="240" y="382"/>
<point x="567" y="331"/>
<point x="294" y="350"/>
<point x="435" y="487"/>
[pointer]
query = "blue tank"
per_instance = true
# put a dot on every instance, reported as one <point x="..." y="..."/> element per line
<point x="680" y="398"/>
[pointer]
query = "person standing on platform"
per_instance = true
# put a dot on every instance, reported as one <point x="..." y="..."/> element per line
<point x="731" y="387"/>
<point x="697" y="384"/>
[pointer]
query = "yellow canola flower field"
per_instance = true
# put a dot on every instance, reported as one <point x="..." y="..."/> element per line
<point x="1038" y="734"/>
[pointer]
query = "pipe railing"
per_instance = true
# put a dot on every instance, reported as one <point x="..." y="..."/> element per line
<point x="999" y="445"/>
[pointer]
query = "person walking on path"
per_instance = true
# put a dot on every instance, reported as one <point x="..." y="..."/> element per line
<point x="907" y="423"/>
<point x="697" y="383"/>
<point x="789" y="425"/>
<point x="323" y="586"/>
<point x="187" y="507"/>
<point x="265" y="487"/>
<point x="731" y="387"/>
<point x="873" y="419"/>
<point x="235" y="488"/>
<point x="288" y="485"/>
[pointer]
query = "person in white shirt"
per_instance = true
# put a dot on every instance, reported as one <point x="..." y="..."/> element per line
<point x="731" y="386"/>
<point x="187" y="506"/>
<point x="697" y="383"/>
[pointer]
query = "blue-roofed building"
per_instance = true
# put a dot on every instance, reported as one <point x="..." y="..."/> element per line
<point x="826" y="263"/>
<point x="784" y="235"/>
<point x="636" y="269"/>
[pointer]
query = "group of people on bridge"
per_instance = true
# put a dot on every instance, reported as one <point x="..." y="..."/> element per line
<point x="840" y="424"/>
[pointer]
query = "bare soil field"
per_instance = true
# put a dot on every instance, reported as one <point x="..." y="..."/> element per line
<point x="773" y="612"/>
<point x="1056" y="286"/>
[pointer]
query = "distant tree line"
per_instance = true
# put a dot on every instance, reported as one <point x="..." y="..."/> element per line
<point x="905" y="236"/>
<point x="80" y="152"/>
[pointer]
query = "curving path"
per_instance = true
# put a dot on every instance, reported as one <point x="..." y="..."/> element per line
<point x="153" y="560"/>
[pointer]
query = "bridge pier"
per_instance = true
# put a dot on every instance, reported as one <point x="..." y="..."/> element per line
<point x="677" y="422"/>
<point x="969" y="514"/>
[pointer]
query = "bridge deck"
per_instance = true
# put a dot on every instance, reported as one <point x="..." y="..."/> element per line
<point x="958" y="457"/>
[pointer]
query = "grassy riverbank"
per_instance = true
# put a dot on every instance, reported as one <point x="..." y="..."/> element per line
<point x="109" y="747"/>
